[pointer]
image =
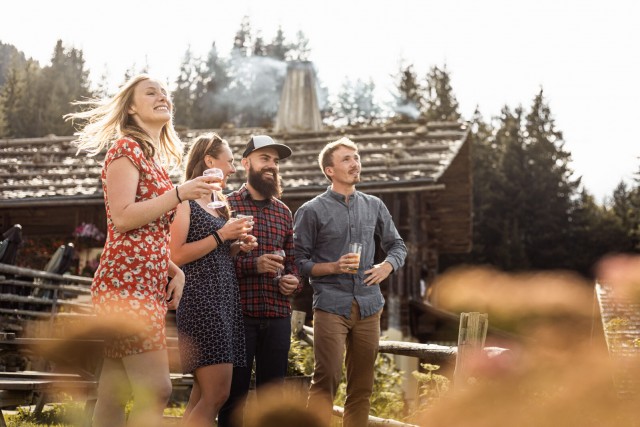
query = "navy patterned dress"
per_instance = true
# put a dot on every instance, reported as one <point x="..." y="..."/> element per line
<point x="209" y="318"/>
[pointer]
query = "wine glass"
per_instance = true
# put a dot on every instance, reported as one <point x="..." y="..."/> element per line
<point x="279" y="270"/>
<point x="249" y="219"/>
<point x="217" y="173"/>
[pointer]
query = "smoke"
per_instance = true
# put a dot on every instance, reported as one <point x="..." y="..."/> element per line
<point x="409" y="110"/>
<point x="253" y="94"/>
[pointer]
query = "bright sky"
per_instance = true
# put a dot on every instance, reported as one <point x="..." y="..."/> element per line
<point x="584" y="53"/>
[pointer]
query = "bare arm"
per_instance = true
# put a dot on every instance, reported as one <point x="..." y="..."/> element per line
<point x="175" y="286"/>
<point x="182" y="252"/>
<point x="126" y="213"/>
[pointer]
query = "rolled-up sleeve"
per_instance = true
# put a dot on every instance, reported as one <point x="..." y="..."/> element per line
<point x="304" y="238"/>
<point x="246" y="265"/>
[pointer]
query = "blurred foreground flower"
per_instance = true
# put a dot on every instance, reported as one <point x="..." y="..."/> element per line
<point x="559" y="373"/>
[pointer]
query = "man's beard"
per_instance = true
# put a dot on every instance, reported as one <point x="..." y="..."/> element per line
<point x="268" y="188"/>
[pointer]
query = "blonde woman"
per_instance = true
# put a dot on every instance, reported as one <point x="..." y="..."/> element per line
<point x="136" y="282"/>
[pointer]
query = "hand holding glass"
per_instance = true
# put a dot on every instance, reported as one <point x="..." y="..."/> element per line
<point x="281" y="253"/>
<point x="249" y="219"/>
<point x="355" y="248"/>
<point x="217" y="173"/>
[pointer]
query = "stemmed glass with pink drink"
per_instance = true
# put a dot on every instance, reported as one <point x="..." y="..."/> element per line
<point x="217" y="173"/>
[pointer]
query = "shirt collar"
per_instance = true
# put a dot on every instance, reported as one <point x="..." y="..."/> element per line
<point x="244" y="192"/>
<point x="246" y="195"/>
<point x="340" y="197"/>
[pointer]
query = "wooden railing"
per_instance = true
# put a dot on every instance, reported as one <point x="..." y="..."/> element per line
<point x="43" y="295"/>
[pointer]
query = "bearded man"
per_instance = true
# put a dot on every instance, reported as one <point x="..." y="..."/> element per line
<point x="266" y="280"/>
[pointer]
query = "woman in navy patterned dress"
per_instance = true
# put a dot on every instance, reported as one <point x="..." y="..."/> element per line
<point x="209" y="318"/>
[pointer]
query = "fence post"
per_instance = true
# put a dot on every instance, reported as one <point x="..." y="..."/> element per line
<point x="471" y="337"/>
<point x="297" y="323"/>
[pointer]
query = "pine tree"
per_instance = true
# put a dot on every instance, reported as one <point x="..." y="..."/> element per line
<point x="34" y="99"/>
<point x="9" y="98"/>
<point x="61" y="83"/>
<point x="300" y="50"/>
<point x="259" y="48"/>
<point x="242" y="40"/>
<point x="9" y="55"/>
<point x="18" y="100"/>
<point x="511" y="194"/>
<point x="551" y="188"/>
<point x="11" y="61"/>
<point x="183" y="94"/>
<point x="626" y="207"/>
<point x="356" y="104"/>
<point x="596" y="231"/>
<point x="211" y="109"/>
<point x="409" y="95"/>
<point x="487" y="215"/>
<point x="344" y="106"/>
<point x="103" y="89"/>
<point x="440" y="102"/>
<point x="278" y="48"/>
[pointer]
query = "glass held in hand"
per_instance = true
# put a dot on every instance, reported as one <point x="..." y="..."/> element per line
<point x="249" y="219"/>
<point x="217" y="173"/>
<point x="281" y="253"/>
<point x="355" y="248"/>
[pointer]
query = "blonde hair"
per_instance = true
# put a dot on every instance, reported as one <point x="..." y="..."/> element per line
<point x="325" y="158"/>
<point x="108" y="120"/>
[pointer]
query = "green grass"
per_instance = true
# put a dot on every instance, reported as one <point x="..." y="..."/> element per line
<point x="66" y="414"/>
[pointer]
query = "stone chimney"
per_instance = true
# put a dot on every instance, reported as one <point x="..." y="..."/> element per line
<point x="298" y="110"/>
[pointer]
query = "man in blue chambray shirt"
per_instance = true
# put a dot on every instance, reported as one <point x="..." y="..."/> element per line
<point x="347" y="301"/>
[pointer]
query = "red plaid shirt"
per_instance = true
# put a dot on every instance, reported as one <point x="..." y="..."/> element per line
<point x="273" y="227"/>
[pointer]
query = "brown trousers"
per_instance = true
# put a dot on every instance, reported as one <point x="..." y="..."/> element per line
<point x="330" y="334"/>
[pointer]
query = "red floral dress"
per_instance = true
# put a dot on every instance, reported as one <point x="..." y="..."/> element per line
<point x="129" y="286"/>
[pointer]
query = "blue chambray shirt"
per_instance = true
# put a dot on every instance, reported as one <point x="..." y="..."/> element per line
<point x="324" y="227"/>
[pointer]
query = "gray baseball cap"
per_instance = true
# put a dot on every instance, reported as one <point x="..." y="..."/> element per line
<point x="262" y="141"/>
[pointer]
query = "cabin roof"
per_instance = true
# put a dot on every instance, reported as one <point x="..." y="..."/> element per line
<point x="621" y="324"/>
<point x="396" y="158"/>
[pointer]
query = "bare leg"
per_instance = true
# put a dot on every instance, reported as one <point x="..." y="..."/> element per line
<point x="149" y="378"/>
<point x="194" y="397"/>
<point x="113" y="393"/>
<point x="214" y="382"/>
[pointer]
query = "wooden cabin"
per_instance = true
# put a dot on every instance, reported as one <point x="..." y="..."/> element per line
<point x="421" y="172"/>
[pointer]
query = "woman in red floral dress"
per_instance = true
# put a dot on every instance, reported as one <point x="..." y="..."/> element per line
<point x="130" y="291"/>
